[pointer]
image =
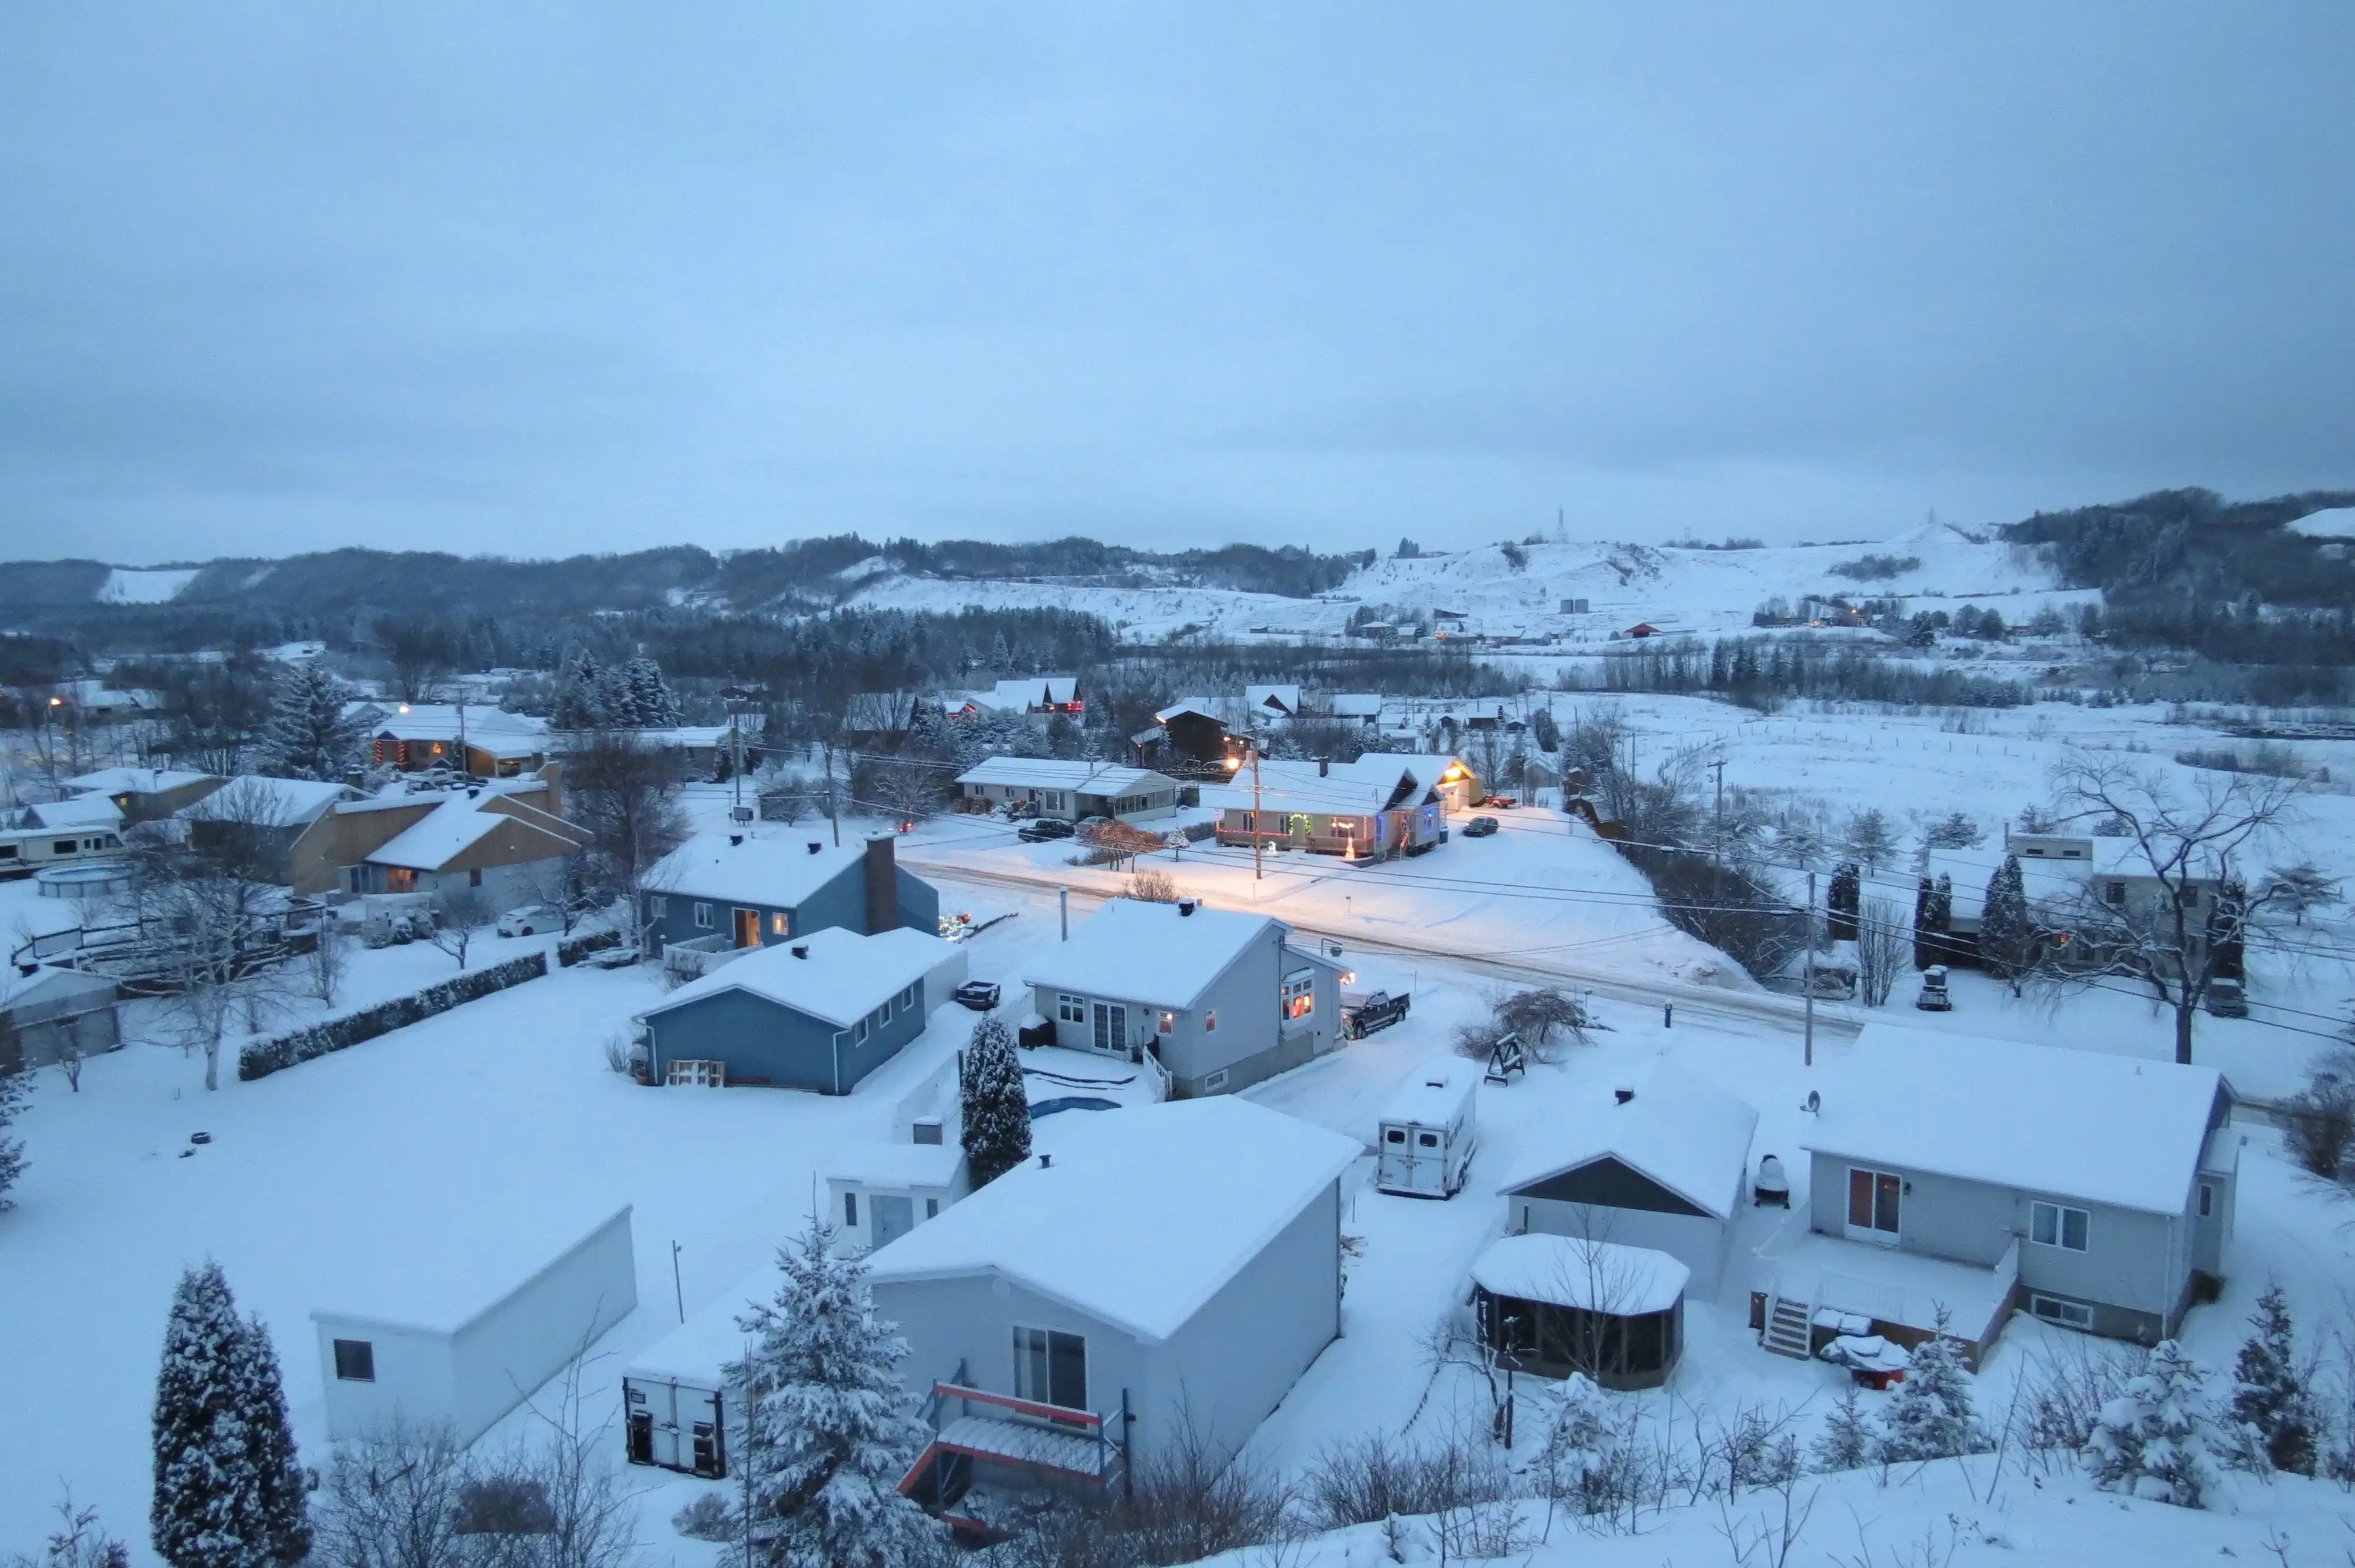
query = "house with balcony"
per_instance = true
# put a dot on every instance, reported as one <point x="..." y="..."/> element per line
<point x="1966" y="1175"/>
<point x="1070" y="1323"/>
<point x="1218" y="999"/>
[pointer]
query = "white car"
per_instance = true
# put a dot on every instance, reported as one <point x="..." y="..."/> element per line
<point x="530" y="920"/>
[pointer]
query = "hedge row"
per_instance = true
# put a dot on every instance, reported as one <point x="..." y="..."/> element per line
<point x="263" y="1057"/>
<point x="572" y="949"/>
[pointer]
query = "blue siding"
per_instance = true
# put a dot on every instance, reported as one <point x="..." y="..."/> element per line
<point x="840" y="901"/>
<point x="767" y="1042"/>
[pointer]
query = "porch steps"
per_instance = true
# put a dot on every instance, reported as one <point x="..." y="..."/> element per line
<point x="1788" y="1331"/>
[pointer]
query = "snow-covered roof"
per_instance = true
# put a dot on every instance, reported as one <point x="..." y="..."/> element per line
<point x="270" y="802"/>
<point x="1355" y="704"/>
<point x="846" y="976"/>
<point x="693" y="1352"/>
<point x="898" y="1164"/>
<point x="49" y="982"/>
<point x="1226" y="1177"/>
<point x="1201" y="707"/>
<point x="78" y="811"/>
<point x="1283" y="699"/>
<point x="1428" y="767"/>
<point x="452" y="828"/>
<point x="1365" y="786"/>
<point x="1434" y="1092"/>
<point x="1081" y="778"/>
<point x="2019" y="1115"/>
<point x="1150" y="953"/>
<point x="135" y="780"/>
<point x="1689" y="1137"/>
<point x="1570" y="1271"/>
<point x="490" y="729"/>
<point x="1033" y="690"/>
<point x="469" y="1257"/>
<point x="2337" y="522"/>
<point x="777" y="871"/>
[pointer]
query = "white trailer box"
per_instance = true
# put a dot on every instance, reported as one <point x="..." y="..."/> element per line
<point x="675" y="1398"/>
<point x="466" y="1334"/>
<point x="1427" y="1130"/>
<point x="879" y="1193"/>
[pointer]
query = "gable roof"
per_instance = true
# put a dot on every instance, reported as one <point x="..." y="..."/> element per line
<point x="460" y="822"/>
<point x="1150" y="953"/>
<point x="1200" y="707"/>
<point x="1283" y="699"/>
<point x="1354" y="704"/>
<point x="135" y="780"/>
<point x="1372" y="783"/>
<point x="776" y="871"/>
<point x="1081" y="778"/>
<point x="268" y="803"/>
<point x="1033" y="691"/>
<point x="1686" y="1135"/>
<point x="845" y="977"/>
<point x="76" y="811"/>
<point x="2019" y="1115"/>
<point x="1595" y="1275"/>
<point x="1228" y="1177"/>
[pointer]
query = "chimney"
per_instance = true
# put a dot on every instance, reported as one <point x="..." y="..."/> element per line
<point x="1324" y="768"/>
<point x="815" y="846"/>
<point x="882" y="886"/>
<point x="1185" y="907"/>
<point x="801" y="949"/>
<point x="1045" y="1160"/>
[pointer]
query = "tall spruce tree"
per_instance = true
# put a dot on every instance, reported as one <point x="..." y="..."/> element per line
<point x="208" y="1509"/>
<point x="14" y="1087"/>
<point x="307" y="736"/>
<point x="650" y="694"/>
<point x="578" y="699"/>
<point x="2004" y="928"/>
<point x="995" y="1104"/>
<point x="2270" y="1404"/>
<point x="1842" y="901"/>
<point x="825" y="1430"/>
<point x="277" y="1468"/>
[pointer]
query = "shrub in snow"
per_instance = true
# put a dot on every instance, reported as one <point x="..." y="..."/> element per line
<point x="307" y="734"/>
<point x="14" y="1087"/>
<point x="825" y="1429"/>
<point x="995" y="1104"/>
<point x="78" y="1543"/>
<point x="263" y="1057"/>
<point x="1846" y="1442"/>
<point x="2271" y="1407"/>
<point x="2153" y="1439"/>
<point x="572" y="949"/>
<point x="1931" y="1416"/>
<point x="227" y="1493"/>
<point x="705" y="1519"/>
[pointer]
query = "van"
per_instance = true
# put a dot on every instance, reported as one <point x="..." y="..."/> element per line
<point x="1427" y="1130"/>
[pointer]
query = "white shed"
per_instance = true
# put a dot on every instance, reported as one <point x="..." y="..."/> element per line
<point x="1427" y="1130"/>
<point x="879" y="1193"/>
<point x="1663" y="1165"/>
<point x="466" y="1334"/>
<point x="675" y="1396"/>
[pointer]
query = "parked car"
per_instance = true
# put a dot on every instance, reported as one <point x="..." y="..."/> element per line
<point x="1935" y="996"/>
<point x="1363" y="1016"/>
<point x="1045" y="828"/>
<point x="2228" y="997"/>
<point x="1479" y="827"/>
<point x="979" y="995"/>
<point x="1501" y="802"/>
<point x="530" y="920"/>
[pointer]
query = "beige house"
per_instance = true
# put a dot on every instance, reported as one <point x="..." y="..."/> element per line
<point x="506" y="838"/>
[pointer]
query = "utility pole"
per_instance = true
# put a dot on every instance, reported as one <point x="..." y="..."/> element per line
<point x="1810" y="982"/>
<point x="1063" y="910"/>
<point x="465" y="762"/>
<point x="1720" y="765"/>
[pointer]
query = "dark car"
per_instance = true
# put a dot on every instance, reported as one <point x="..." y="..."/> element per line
<point x="979" y="995"/>
<point x="1479" y="827"/>
<point x="1502" y="802"/>
<point x="1044" y="829"/>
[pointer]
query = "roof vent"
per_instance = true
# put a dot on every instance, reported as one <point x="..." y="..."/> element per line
<point x="815" y="846"/>
<point x="1045" y="1160"/>
<point x="735" y="838"/>
<point x="1185" y="907"/>
<point x="1623" y="1094"/>
<point x="801" y="949"/>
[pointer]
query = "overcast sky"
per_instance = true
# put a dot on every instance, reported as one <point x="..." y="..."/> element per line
<point x="540" y="279"/>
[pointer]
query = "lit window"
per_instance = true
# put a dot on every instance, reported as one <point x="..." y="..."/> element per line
<point x="1166" y="1023"/>
<point x="780" y="923"/>
<point x="1210" y="1021"/>
<point x="1299" y="994"/>
<point x="2055" y="1225"/>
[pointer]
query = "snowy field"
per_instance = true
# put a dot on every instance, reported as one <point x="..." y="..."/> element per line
<point x="152" y="585"/>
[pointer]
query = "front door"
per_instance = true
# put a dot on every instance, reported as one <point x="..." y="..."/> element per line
<point x="894" y="1217"/>
<point x="748" y="927"/>
<point x="1111" y="1028"/>
<point x="1873" y="1199"/>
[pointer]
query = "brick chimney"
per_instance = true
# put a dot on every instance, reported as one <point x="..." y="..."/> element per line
<point x="882" y="886"/>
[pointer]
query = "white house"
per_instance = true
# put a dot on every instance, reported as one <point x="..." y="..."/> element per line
<point x="1067" y="789"/>
<point x="466" y="1333"/>
<point x="1662" y="1165"/>
<point x="1152" y="1273"/>
<point x="1271" y="705"/>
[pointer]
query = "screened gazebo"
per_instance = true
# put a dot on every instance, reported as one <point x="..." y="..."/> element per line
<point x="1557" y="1305"/>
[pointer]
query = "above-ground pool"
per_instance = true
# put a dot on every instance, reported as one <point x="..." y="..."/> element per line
<point x="103" y="879"/>
<point x="1071" y="1102"/>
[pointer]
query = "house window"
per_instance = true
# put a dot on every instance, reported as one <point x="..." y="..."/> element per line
<point x="932" y="1208"/>
<point x="1165" y="1023"/>
<point x="1299" y="994"/>
<point x="2113" y="892"/>
<point x="907" y="998"/>
<point x="703" y="917"/>
<point x="2189" y="899"/>
<point x="780" y="923"/>
<point x="2056" y="1225"/>
<point x="1215" y="1081"/>
<point x="1050" y="1367"/>
<point x="883" y="1014"/>
<point x="1069" y="1008"/>
<point x="850" y="1209"/>
<point x="2207" y="1200"/>
<point x="356" y="1361"/>
<point x="858" y="1032"/>
<point x="1873" y="1201"/>
<point x="474" y="876"/>
<point x="1210" y="1021"/>
<point x="657" y="906"/>
<point x="2068" y="1314"/>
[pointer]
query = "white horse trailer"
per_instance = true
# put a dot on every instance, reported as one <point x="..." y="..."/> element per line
<point x="1428" y="1130"/>
<point x="675" y="1396"/>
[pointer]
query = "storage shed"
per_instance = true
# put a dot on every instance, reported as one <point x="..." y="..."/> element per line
<point x="464" y="1335"/>
<point x="1559" y="1304"/>
<point x="48" y="1013"/>
<point x="676" y="1399"/>
<point x="1662" y="1165"/>
<point x="879" y="1193"/>
<point x="1428" y="1129"/>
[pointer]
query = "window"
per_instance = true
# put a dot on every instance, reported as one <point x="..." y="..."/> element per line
<point x="780" y="923"/>
<point x="2055" y="1225"/>
<point x="1210" y="1021"/>
<point x="65" y="846"/>
<point x="883" y="1014"/>
<point x="907" y="998"/>
<point x="2113" y="892"/>
<point x="474" y="876"/>
<point x="2068" y="1314"/>
<point x="1050" y="1367"/>
<point x="356" y="1361"/>
<point x="656" y="907"/>
<point x="1299" y="994"/>
<point x="1427" y="1139"/>
<point x="1165" y="1023"/>
<point x="703" y="917"/>
<point x="2207" y="1200"/>
<point x="932" y="1208"/>
<point x="1071" y="1008"/>
<point x="1873" y="1201"/>
<point x="850" y="1209"/>
<point x="1216" y="1081"/>
<point x="858" y="1032"/>
<point x="1396" y="1135"/>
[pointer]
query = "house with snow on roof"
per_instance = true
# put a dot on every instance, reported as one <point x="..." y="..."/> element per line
<point x="1064" y="787"/>
<point x="2097" y="889"/>
<point x="255" y="820"/>
<point x="147" y="794"/>
<point x="1383" y="805"/>
<point x="505" y="837"/>
<point x="738" y="890"/>
<point x="1273" y="704"/>
<point x="1967" y="1174"/>
<point x="819" y="1013"/>
<point x="1071" y="1321"/>
<point x="483" y="742"/>
<point x="1219" y="998"/>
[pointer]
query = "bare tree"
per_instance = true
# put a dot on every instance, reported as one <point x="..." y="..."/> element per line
<point x="392" y="1501"/>
<point x="1885" y="948"/>
<point x="2300" y="888"/>
<point x="420" y="652"/>
<point x="244" y="829"/>
<point x="1118" y="843"/>
<point x="1152" y="887"/>
<point x="910" y="791"/>
<point x="625" y="793"/>
<point x="460" y="913"/>
<point x="2173" y="915"/>
<point x="212" y="944"/>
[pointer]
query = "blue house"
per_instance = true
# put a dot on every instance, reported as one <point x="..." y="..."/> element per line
<point x="819" y="1013"/>
<point x="750" y="891"/>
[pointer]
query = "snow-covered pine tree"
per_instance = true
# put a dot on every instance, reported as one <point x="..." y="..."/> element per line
<point x="1931" y="1416"/>
<point x="825" y="1428"/>
<point x="307" y="736"/>
<point x="995" y="1104"/>
<point x="579" y="697"/>
<point x="929" y="734"/>
<point x="1845" y="1441"/>
<point x="1583" y="1447"/>
<point x="277" y="1468"/>
<point x="2153" y="1440"/>
<point x="207" y="1510"/>
<point x="650" y="694"/>
<point x="2269" y="1402"/>
<point x="1842" y="899"/>
<point x="1870" y="838"/>
<point x="14" y="1087"/>
<point x="2003" y="921"/>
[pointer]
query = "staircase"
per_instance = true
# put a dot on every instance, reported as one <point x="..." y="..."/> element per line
<point x="1788" y="1327"/>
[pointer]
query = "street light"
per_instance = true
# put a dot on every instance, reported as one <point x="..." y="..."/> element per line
<point x="1234" y="764"/>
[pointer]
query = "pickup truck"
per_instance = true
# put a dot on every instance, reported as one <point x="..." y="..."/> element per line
<point x="1365" y="1013"/>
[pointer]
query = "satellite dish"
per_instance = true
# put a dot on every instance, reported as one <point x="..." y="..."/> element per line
<point x="1813" y="1103"/>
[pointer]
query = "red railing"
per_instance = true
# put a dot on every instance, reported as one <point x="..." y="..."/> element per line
<point x="1058" y="1414"/>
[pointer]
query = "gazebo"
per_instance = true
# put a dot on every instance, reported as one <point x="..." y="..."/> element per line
<point x="1557" y="1305"/>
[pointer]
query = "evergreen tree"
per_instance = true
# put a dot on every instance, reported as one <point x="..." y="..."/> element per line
<point x="1841" y="903"/>
<point x="995" y="1107"/>
<point x="825" y="1429"/>
<point x="2004" y="929"/>
<point x="929" y="733"/>
<point x="14" y="1087"/>
<point x="1870" y="838"/>
<point x="613" y="699"/>
<point x="1956" y="830"/>
<point x="277" y="1468"/>
<point x="2153" y="1439"/>
<point x="2268" y="1401"/>
<point x="649" y="694"/>
<point x="1931" y="1416"/>
<point x="1845" y="1441"/>
<point x="307" y="736"/>
<point x="1942" y="904"/>
<point x="578" y="699"/>
<point x="208" y="1509"/>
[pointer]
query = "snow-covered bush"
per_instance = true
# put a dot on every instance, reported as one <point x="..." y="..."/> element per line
<point x="1846" y="1442"/>
<point x="1931" y="1416"/>
<point x="2154" y="1440"/>
<point x="14" y="1087"/>
<point x="262" y="1057"/>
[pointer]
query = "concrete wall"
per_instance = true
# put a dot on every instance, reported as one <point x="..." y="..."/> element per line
<point x="507" y="1351"/>
<point x="1698" y="1241"/>
<point x="764" y="1043"/>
